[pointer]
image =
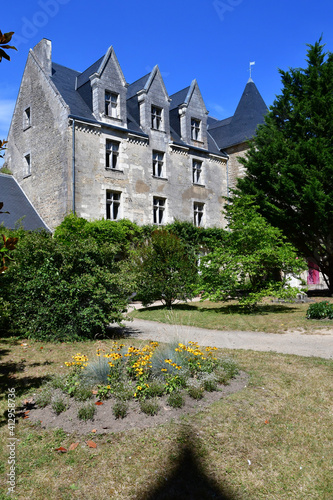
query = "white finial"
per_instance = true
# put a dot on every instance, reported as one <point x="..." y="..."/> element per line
<point x="251" y="64"/>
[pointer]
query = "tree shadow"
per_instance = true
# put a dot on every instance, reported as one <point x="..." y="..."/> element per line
<point x="188" y="479"/>
<point x="22" y="385"/>
<point x="230" y="309"/>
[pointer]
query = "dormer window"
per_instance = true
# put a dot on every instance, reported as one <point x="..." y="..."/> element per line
<point x="111" y="104"/>
<point x="26" y="118"/>
<point x="195" y="129"/>
<point x="156" y="118"/>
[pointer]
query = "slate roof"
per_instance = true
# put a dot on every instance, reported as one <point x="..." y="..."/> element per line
<point x="136" y="86"/>
<point x="84" y="77"/>
<point x="242" y="126"/>
<point x="19" y="207"/>
<point x="222" y="134"/>
<point x="65" y="80"/>
<point x="178" y="98"/>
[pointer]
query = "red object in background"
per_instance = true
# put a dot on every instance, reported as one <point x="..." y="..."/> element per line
<point x="313" y="273"/>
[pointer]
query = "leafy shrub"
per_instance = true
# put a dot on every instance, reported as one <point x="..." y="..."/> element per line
<point x="74" y="290"/>
<point x="176" y="399"/>
<point x="320" y="310"/>
<point x="120" y="409"/>
<point x="149" y="406"/>
<point x="120" y="234"/>
<point x="87" y="411"/>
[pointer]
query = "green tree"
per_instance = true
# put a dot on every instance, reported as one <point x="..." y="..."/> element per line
<point x="253" y="262"/>
<point x="290" y="162"/>
<point x="164" y="269"/>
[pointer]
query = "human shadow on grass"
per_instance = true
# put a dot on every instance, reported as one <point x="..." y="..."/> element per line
<point x="188" y="480"/>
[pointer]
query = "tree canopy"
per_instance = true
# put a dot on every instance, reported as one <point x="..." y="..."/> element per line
<point x="254" y="261"/>
<point x="290" y="161"/>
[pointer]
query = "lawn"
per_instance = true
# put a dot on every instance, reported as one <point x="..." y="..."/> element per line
<point x="272" y="439"/>
<point x="268" y="317"/>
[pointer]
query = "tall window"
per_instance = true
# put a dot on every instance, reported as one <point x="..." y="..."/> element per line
<point x="159" y="210"/>
<point x="198" y="213"/>
<point x="112" y="152"/>
<point x="112" y="205"/>
<point x="111" y="104"/>
<point x="195" y="129"/>
<point x="197" y="172"/>
<point x="27" y="160"/>
<point x="156" y="118"/>
<point x="158" y="164"/>
<point x="26" y="118"/>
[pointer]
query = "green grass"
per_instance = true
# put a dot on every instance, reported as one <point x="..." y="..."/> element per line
<point x="272" y="439"/>
<point x="269" y="317"/>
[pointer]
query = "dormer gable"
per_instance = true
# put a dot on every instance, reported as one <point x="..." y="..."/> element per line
<point x="150" y="96"/>
<point x="192" y="116"/>
<point x="108" y="89"/>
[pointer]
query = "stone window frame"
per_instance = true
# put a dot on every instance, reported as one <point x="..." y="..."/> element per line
<point x="156" y="117"/>
<point x="111" y="102"/>
<point x="112" y="154"/>
<point x="195" y="129"/>
<point x="197" y="172"/>
<point x="27" y="164"/>
<point x="113" y="204"/>
<point x="198" y="213"/>
<point x="158" y="164"/>
<point x="27" y="118"/>
<point x="159" y="210"/>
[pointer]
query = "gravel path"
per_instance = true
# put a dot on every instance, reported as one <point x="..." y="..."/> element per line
<point x="302" y="344"/>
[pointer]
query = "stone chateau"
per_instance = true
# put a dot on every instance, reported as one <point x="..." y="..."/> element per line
<point x="93" y="144"/>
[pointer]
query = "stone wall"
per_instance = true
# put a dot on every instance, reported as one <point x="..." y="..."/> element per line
<point x="45" y="139"/>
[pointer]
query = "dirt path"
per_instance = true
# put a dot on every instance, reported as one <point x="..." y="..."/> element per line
<point x="320" y="345"/>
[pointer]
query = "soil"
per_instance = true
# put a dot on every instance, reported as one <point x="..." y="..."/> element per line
<point x="104" y="421"/>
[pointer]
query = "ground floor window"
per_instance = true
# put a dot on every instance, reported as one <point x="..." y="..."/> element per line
<point x="113" y="205"/>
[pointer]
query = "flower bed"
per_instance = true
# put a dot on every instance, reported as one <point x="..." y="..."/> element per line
<point x="144" y="375"/>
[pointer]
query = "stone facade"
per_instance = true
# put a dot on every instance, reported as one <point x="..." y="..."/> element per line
<point x="91" y="143"/>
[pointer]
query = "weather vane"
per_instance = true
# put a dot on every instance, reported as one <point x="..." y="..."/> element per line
<point x="251" y="64"/>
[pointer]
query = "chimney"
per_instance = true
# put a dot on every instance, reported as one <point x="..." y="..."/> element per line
<point x="43" y="51"/>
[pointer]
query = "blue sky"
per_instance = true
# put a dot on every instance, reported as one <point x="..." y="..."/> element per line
<point x="210" y="40"/>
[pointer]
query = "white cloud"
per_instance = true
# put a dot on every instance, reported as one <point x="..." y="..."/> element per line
<point x="216" y="110"/>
